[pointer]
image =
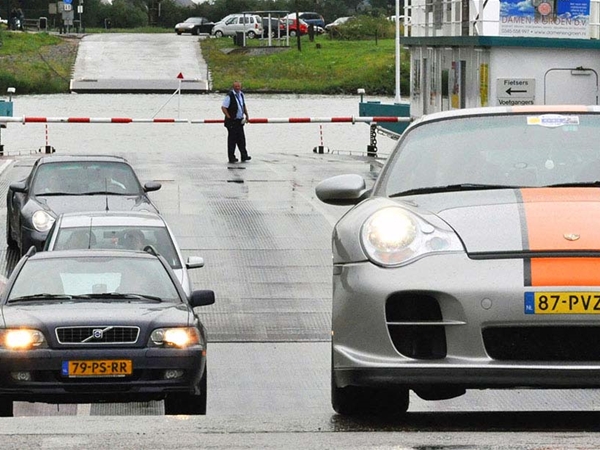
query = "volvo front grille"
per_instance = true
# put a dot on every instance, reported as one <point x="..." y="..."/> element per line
<point x="101" y="334"/>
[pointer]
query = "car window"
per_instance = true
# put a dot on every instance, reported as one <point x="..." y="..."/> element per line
<point x="119" y="237"/>
<point x="83" y="177"/>
<point x="232" y="21"/>
<point x="520" y="150"/>
<point x="94" y="275"/>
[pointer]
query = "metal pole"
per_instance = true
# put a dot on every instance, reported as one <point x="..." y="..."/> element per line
<point x="82" y="28"/>
<point x="298" y="27"/>
<point x="397" y="99"/>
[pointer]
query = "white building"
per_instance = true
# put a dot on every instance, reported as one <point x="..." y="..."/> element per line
<point x="470" y="53"/>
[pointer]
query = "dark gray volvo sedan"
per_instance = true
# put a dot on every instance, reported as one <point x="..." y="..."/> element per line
<point x="87" y="326"/>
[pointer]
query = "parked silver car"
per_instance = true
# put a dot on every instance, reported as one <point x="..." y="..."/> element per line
<point x="473" y="262"/>
<point x="122" y="230"/>
<point x="249" y="24"/>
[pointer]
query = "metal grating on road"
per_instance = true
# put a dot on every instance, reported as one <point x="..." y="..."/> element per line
<point x="265" y="241"/>
<point x="155" y="408"/>
<point x="294" y="326"/>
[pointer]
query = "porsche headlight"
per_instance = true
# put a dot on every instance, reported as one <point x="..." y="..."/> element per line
<point x="394" y="237"/>
<point x="21" y="339"/>
<point x="175" y="337"/>
<point x="42" y="221"/>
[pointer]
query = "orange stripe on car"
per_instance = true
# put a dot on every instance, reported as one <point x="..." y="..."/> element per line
<point x="558" y="220"/>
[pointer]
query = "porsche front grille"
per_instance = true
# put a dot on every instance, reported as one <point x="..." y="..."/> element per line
<point x="97" y="335"/>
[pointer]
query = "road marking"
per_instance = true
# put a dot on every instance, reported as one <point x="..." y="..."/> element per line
<point x="6" y="164"/>
<point x="84" y="409"/>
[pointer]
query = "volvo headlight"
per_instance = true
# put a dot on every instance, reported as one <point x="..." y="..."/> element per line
<point x="21" y="339"/>
<point x="175" y="337"/>
<point x="394" y="236"/>
<point x="42" y="221"/>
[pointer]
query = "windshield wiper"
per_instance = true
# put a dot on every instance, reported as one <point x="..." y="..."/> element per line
<point x="43" y="296"/>
<point x="576" y="184"/>
<point x="454" y="188"/>
<point x="50" y="194"/>
<point x="106" y="193"/>
<point x="120" y="295"/>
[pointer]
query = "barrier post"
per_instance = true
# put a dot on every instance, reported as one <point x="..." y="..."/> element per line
<point x="372" y="147"/>
<point x="6" y="109"/>
<point x="49" y="149"/>
<point x="321" y="148"/>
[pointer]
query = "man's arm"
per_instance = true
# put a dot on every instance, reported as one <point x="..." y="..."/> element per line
<point x="225" y="111"/>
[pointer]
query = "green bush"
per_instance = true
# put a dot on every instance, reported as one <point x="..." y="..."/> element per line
<point x="126" y="15"/>
<point x="365" y="27"/>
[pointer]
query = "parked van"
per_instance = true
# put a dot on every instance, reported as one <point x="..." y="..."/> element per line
<point x="247" y="23"/>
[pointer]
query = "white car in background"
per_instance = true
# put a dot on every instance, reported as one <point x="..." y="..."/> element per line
<point x="118" y="230"/>
<point x="243" y="23"/>
<point x="337" y="22"/>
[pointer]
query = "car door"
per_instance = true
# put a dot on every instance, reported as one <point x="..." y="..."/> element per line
<point x="232" y="26"/>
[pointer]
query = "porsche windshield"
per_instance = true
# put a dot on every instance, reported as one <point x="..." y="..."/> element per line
<point x="496" y="150"/>
<point x="93" y="276"/>
<point x="85" y="177"/>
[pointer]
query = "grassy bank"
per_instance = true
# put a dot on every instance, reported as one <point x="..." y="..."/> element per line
<point x="325" y="66"/>
<point x="39" y="63"/>
<point x="36" y="63"/>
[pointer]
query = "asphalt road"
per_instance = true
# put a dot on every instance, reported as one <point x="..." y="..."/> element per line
<point x="266" y="242"/>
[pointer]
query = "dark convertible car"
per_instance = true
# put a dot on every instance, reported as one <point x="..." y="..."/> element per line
<point x="101" y="326"/>
<point x="194" y="25"/>
<point x="61" y="184"/>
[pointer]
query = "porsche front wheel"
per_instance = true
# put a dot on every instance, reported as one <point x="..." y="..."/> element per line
<point x="368" y="401"/>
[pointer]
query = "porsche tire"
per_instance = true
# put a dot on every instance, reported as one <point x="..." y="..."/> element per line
<point x="9" y="239"/>
<point x="369" y="401"/>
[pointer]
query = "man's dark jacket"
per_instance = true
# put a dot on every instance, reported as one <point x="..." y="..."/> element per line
<point x="233" y="108"/>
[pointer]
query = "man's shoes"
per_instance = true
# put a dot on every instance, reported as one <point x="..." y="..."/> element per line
<point x="234" y="160"/>
<point x="247" y="158"/>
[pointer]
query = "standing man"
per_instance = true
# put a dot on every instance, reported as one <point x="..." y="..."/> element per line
<point x="234" y="108"/>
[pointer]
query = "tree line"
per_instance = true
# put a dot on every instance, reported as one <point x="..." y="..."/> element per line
<point x="166" y="13"/>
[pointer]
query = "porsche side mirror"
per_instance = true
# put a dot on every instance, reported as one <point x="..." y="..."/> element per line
<point x="152" y="186"/>
<point x="19" y="186"/>
<point x="342" y="190"/>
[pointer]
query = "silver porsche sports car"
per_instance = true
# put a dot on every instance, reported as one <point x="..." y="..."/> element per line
<point x="472" y="263"/>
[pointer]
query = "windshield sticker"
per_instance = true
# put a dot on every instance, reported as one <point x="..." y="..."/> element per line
<point x="552" y="120"/>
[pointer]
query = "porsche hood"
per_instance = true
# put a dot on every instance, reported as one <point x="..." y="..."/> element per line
<point x="67" y="204"/>
<point x="522" y="220"/>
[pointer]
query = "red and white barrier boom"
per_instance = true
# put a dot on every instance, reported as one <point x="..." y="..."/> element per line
<point x="349" y="119"/>
<point x="30" y="119"/>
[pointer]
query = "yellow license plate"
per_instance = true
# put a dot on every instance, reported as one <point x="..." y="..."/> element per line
<point x="562" y="303"/>
<point x="98" y="368"/>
